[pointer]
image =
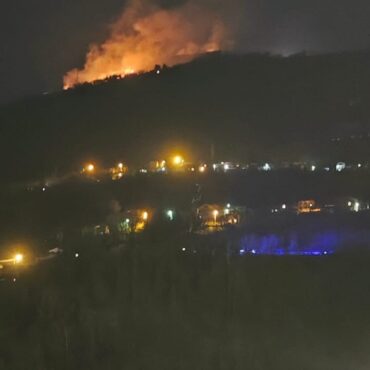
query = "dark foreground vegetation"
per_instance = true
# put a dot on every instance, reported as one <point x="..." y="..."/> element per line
<point x="149" y="305"/>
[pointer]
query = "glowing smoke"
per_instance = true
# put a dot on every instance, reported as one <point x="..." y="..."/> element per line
<point x="145" y="36"/>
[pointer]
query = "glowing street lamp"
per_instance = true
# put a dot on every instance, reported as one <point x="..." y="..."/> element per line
<point x="18" y="258"/>
<point x="215" y="214"/>
<point x="170" y="214"/>
<point x="90" y="168"/>
<point x="178" y="160"/>
<point x="145" y="215"/>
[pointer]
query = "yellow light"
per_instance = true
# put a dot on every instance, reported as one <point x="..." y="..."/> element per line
<point x="202" y="169"/>
<point x="215" y="214"/>
<point x="90" y="167"/>
<point x="145" y="215"/>
<point x="18" y="258"/>
<point x="120" y="166"/>
<point x="178" y="160"/>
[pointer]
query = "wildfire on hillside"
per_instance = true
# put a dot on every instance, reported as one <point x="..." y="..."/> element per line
<point x="145" y="36"/>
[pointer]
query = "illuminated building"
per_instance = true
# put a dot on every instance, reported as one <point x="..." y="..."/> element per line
<point x="118" y="171"/>
<point x="307" y="206"/>
<point x="218" y="216"/>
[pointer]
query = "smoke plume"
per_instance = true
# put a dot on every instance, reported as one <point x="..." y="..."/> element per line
<point x="146" y="35"/>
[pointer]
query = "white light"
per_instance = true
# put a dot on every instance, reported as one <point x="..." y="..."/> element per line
<point x="170" y="214"/>
<point x="283" y="206"/>
<point x="349" y="204"/>
<point x="359" y="165"/>
<point x="356" y="206"/>
<point x="226" y="167"/>
<point x="340" y="166"/>
<point x="228" y="205"/>
<point x="226" y="211"/>
<point x="266" y="167"/>
<point x="77" y="255"/>
<point x="127" y="220"/>
<point x="313" y="168"/>
<point x="43" y="189"/>
<point x="183" y="249"/>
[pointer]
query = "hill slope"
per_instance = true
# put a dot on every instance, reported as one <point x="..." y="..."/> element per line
<point x="251" y="107"/>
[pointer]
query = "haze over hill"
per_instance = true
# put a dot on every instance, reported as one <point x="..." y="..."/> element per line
<point x="249" y="107"/>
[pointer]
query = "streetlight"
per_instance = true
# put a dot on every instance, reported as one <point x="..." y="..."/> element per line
<point x="178" y="160"/>
<point x="18" y="258"/>
<point x="170" y="214"/>
<point x="90" y="168"/>
<point x="215" y="214"/>
<point x="145" y="216"/>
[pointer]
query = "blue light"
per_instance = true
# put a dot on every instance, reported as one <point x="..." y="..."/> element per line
<point x="293" y="244"/>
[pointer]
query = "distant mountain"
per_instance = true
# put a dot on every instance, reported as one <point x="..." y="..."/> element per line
<point x="248" y="107"/>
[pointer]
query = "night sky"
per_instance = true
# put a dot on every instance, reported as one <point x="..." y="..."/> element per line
<point x="42" y="39"/>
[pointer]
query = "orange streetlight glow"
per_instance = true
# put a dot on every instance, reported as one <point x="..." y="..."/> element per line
<point x="18" y="258"/>
<point x="90" y="167"/>
<point x="178" y="160"/>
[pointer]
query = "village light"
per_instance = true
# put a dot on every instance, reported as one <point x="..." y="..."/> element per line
<point x="215" y="214"/>
<point x="266" y="167"/>
<point x="90" y="168"/>
<point x="170" y="214"/>
<point x="178" y="160"/>
<point x="145" y="216"/>
<point x="18" y="258"/>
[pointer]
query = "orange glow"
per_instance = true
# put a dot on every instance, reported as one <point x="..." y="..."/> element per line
<point x="178" y="160"/>
<point x="145" y="36"/>
<point x="90" y="168"/>
<point x="18" y="258"/>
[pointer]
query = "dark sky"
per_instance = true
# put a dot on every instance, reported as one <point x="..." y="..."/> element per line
<point x="42" y="39"/>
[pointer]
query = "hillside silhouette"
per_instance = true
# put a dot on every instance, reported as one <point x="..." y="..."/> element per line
<point x="248" y="107"/>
